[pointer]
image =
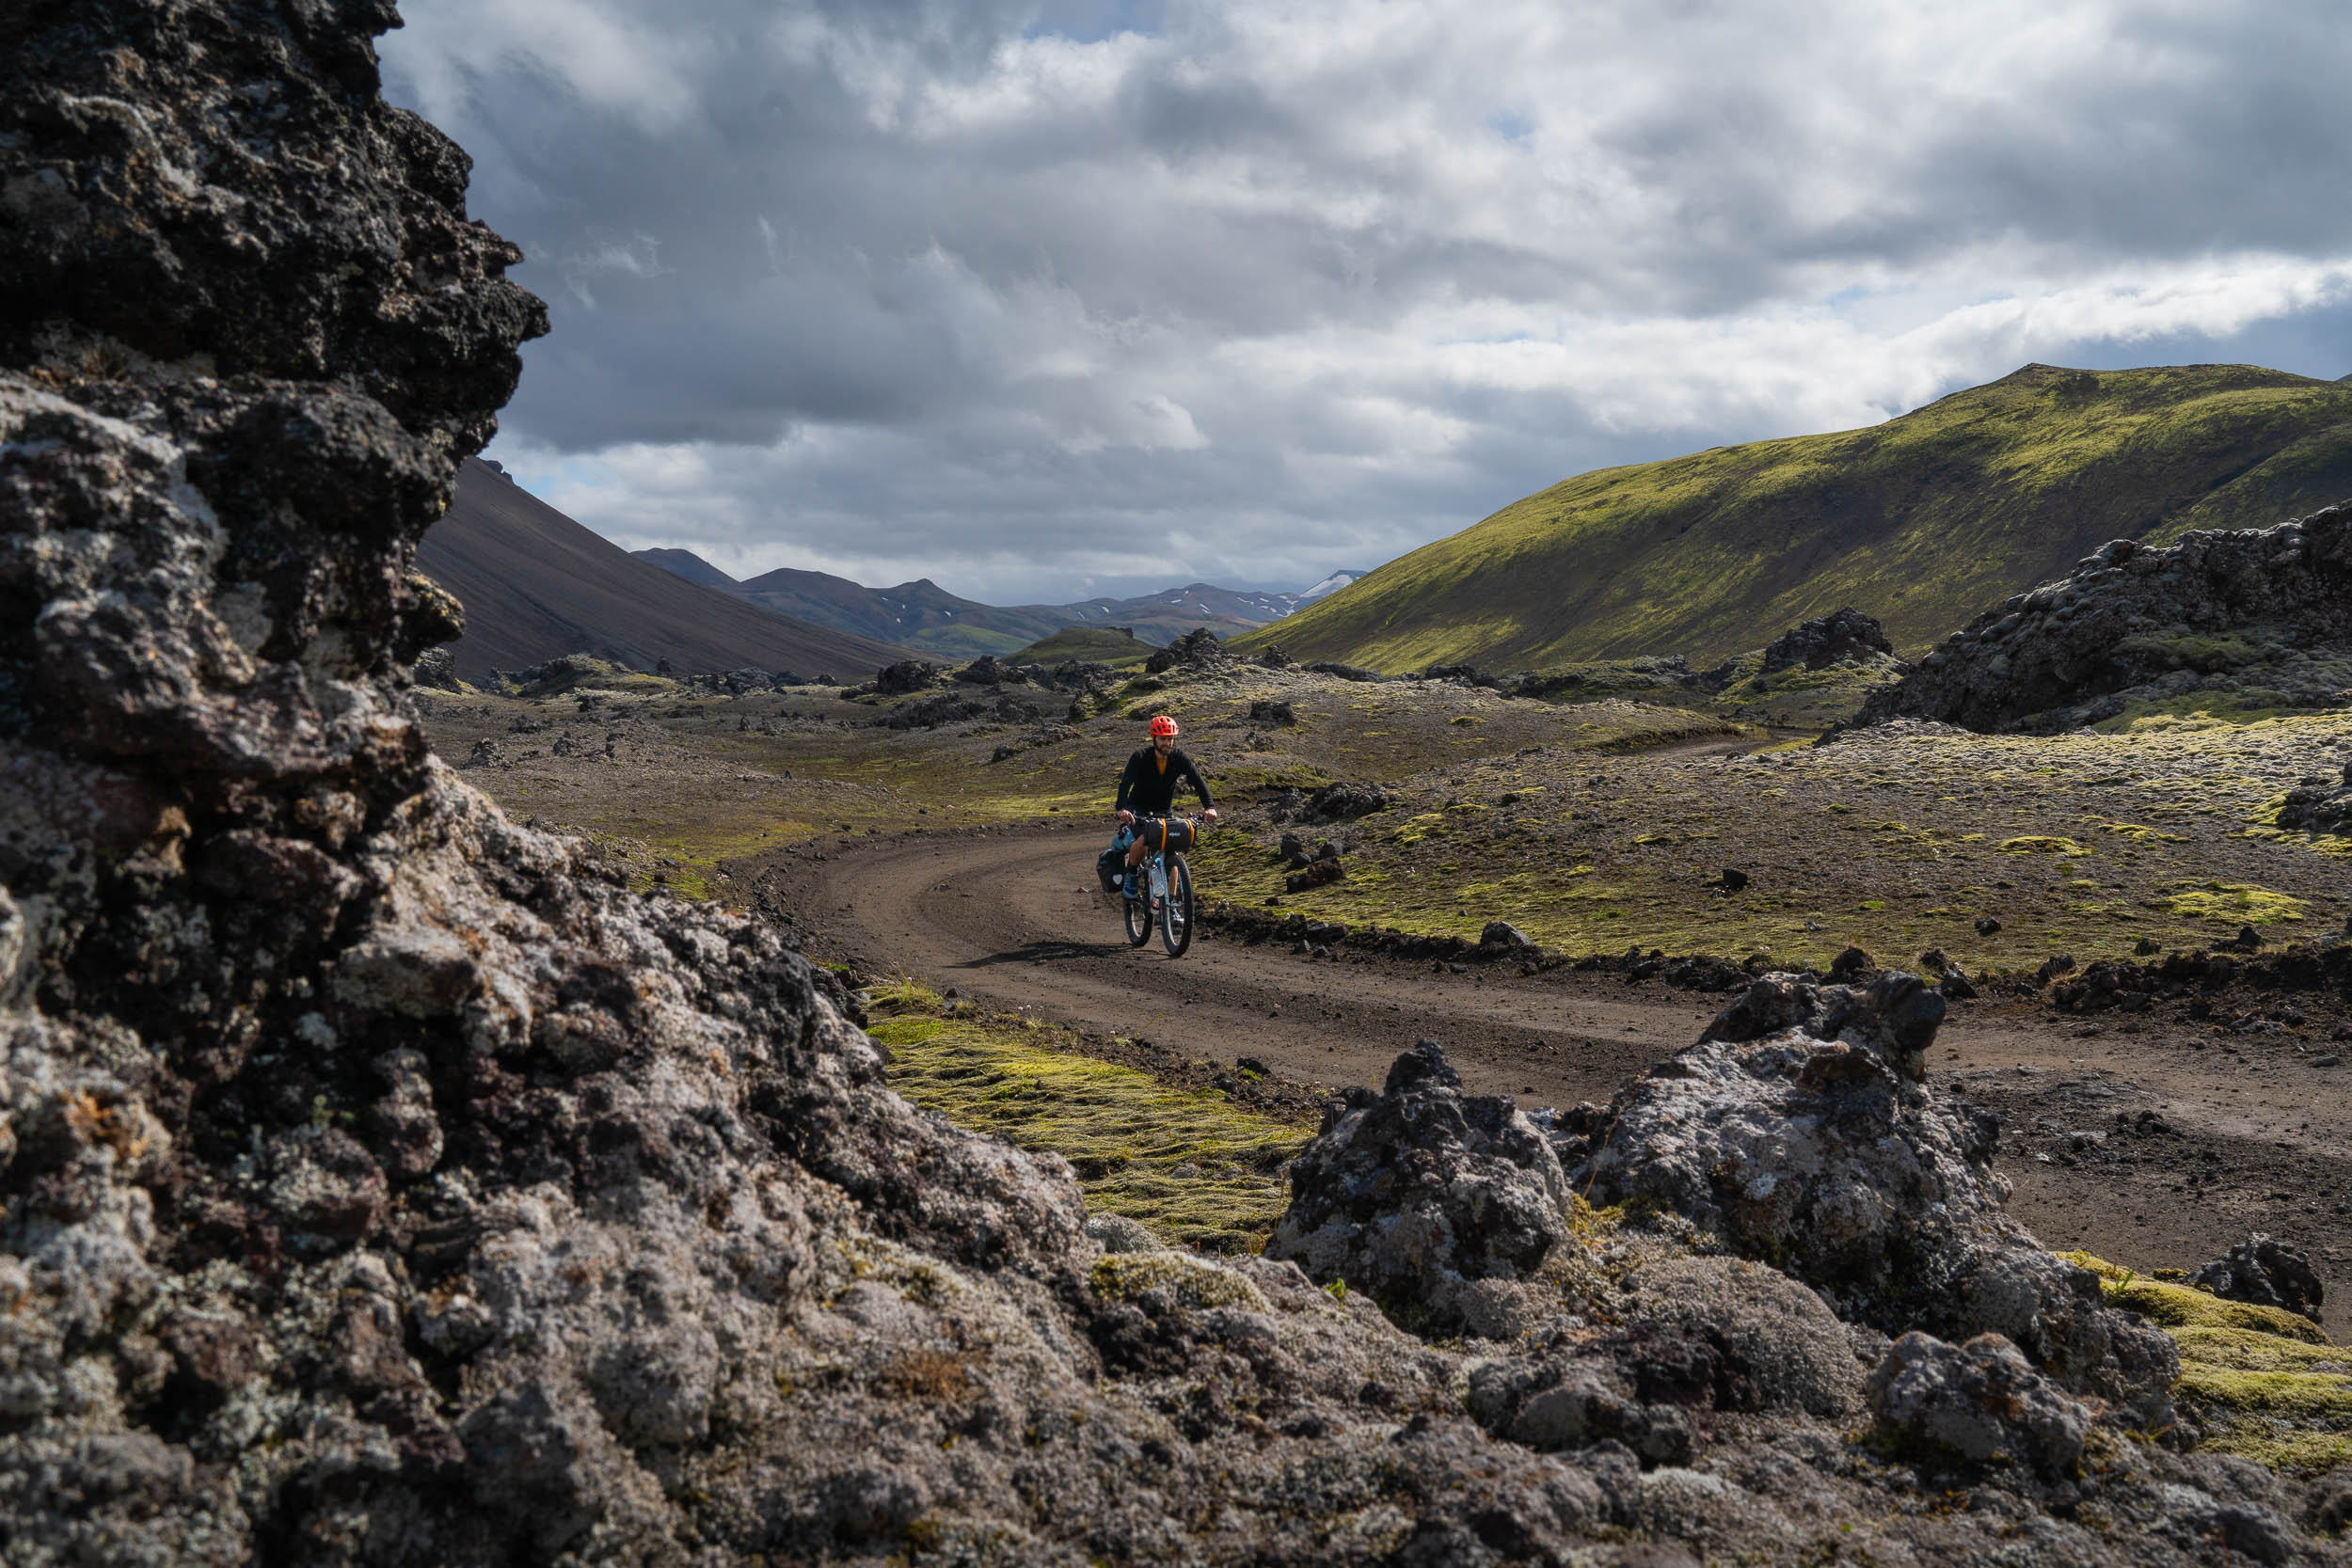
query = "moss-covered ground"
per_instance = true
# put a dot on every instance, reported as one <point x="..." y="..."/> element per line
<point x="2264" y="1382"/>
<point x="1595" y="826"/>
<point x="675" y="783"/>
<point x="1187" y="1162"/>
<point x="2087" y="844"/>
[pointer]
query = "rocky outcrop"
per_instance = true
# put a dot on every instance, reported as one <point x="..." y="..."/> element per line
<point x="1845" y="636"/>
<point x="1336" y="802"/>
<point x="2267" y="1273"/>
<point x="1196" y="653"/>
<point x="1799" y="1131"/>
<point x="906" y="675"/>
<point x="2263" y="614"/>
<point x="2319" y="804"/>
<point x="1435" y="1202"/>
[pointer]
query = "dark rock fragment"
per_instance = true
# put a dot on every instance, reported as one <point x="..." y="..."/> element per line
<point x="1198" y="652"/>
<point x="2266" y="1272"/>
<point x="906" y="675"/>
<point x="1335" y="801"/>
<point x="1817" y="644"/>
<point x="1438" y="1202"/>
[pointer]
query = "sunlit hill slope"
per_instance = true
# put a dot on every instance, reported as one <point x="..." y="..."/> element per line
<point x="1921" y="521"/>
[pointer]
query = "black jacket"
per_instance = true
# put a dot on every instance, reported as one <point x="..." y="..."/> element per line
<point x="1148" y="787"/>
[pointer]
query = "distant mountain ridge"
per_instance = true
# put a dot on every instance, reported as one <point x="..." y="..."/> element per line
<point x="924" y="616"/>
<point x="537" y="585"/>
<point x="1921" y="521"/>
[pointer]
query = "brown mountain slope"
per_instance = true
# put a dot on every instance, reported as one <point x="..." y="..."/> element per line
<point x="537" y="584"/>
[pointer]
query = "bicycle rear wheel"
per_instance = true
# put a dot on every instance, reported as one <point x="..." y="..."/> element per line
<point x="1176" y="916"/>
<point x="1138" y="910"/>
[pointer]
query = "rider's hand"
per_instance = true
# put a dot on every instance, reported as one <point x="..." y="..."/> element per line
<point x="1209" y="815"/>
<point x="1127" y="818"/>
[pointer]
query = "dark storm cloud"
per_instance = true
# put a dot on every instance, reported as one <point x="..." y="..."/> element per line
<point x="1034" y="299"/>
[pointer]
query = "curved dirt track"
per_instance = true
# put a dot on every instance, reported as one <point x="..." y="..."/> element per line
<point x="1011" y="918"/>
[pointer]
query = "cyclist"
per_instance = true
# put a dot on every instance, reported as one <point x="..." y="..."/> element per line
<point x="1147" y="797"/>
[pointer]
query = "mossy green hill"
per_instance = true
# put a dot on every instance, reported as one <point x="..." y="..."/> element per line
<point x="1921" y="521"/>
<point x="1092" y="644"/>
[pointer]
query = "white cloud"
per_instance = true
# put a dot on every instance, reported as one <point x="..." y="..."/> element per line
<point x="921" y="289"/>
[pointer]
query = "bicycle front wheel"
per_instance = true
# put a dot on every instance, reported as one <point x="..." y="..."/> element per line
<point x="1138" y="913"/>
<point x="1176" y="918"/>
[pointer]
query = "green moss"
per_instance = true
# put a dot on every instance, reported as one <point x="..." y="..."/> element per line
<point x="1186" y="1163"/>
<point x="2265" y="1384"/>
<point x="1190" y="1281"/>
<point x="2042" y="843"/>
<point x="2235" y="902"/>
<point x="2142" y="834"/>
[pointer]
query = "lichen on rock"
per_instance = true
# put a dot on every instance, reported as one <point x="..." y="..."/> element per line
<point x="1799" y="1131"/>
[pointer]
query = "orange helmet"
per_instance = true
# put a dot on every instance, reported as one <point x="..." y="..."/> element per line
<point x="1162" y="725"/>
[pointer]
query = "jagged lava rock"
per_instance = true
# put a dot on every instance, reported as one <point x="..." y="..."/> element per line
<point x="379" y="1182"/>
<point x="1977" y="1403"/>
<point x="1198" y="652"/>
<point x="2319" y="804"/>
<point x="2264" y="611"/>
<point x="1817" y="644"/>
<point x="1430" y="1199"/>
<point x="2267" y="1273"/>
<point x="1799" y="1131"/>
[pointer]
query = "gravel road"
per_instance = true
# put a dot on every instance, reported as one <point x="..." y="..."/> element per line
<point x="1010" y="917"/>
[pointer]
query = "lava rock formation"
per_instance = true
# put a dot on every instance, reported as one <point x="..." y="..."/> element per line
<point x="2264" y="613"/>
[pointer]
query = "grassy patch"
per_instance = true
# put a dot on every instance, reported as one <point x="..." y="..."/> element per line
<point x="1186" y="1163"/>
<point x="2235" y="901"/>
<point x="2267" y="1384"/>
<point x="2043" y="844"/>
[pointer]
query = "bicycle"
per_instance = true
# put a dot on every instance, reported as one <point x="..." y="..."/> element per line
<point x="1163" y="898"/>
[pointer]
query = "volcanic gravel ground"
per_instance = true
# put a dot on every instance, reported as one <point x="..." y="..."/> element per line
<point x="2246" y="1134"/>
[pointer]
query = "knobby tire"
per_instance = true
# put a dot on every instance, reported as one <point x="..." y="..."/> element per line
<point x="1176" y="918"/>
<point x="1138" y="910"/>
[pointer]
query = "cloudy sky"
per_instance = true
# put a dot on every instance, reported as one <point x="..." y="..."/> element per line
<point x="1044" y="300"/>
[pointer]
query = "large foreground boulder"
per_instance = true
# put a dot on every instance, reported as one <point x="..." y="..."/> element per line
<point x="1799" y="1131"/>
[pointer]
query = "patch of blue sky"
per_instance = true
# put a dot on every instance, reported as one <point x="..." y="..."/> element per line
<point x="544" y="473"/>
<point x="1092" y="21"/>
<point x="1512" y="125"/>
<point x="2315" y="342"/>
